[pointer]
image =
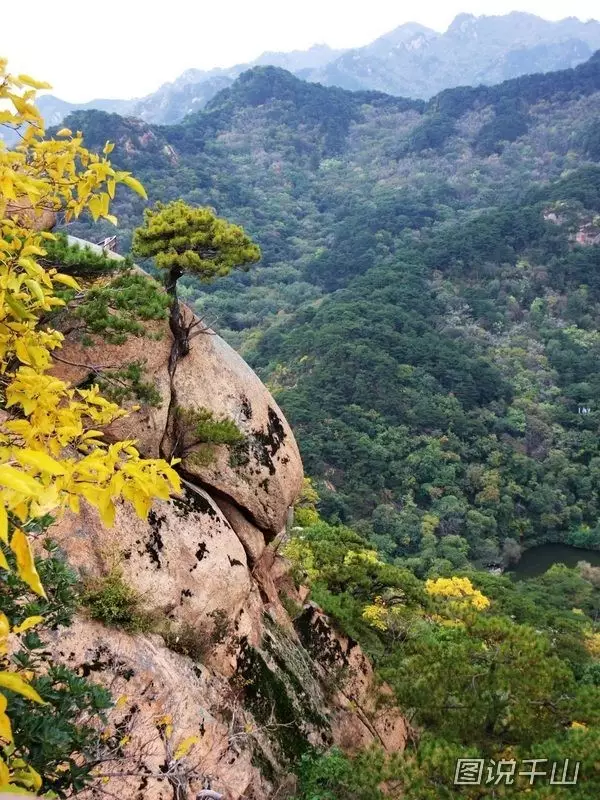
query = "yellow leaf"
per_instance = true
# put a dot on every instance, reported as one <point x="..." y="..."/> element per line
<point x="108" y="148"/>
<point x="64" y="132"/>
<point x="28" y="623"/>
<point x="40" y="461"/>
<point x="3" y="524"/>
<point x="32" y="250"/>
<point x="19" y="481"/>
<point x="66" y="279"/>
<point x="16" y="307"/>
<point x="166" y="723"/>
<point x="107" y="514"/>
<point x="4" y="777"/>
<point x="25" y="564"/>
<point x="35" y="289"/>
<point x="22" y="352"/>
<point x="142" y="505"/>
<point x="13" y="682"/>
<point x="134" y="184"/>
<point x="29" y="81"/>
<point x="111" y="218"/>
<point x="5" y="728"/>
<point x="33" y="779"/>
<point x="3" y="561"/>
<point x="92" y="434"/>
<point x="185" y="746"/>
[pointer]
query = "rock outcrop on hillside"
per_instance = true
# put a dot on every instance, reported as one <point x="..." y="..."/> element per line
<point x="264" y="474"/>
<point x="255" y="688"/>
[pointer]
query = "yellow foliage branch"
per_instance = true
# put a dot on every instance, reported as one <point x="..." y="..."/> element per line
<point x="52" y="452"/>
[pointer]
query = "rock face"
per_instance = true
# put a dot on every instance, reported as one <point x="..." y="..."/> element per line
<point x="254" y="689"/>
<point x="262" y="475"/>
<point x="185" y="561"/>
<point x="365" y="716"/>
<point x="154" y="687"/>
<point x="257" y="695"/>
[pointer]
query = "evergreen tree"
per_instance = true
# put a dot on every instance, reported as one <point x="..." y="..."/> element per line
<point x="194" y="241"/>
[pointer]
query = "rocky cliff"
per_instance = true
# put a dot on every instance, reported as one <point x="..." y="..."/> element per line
<point x="226" y="665"/>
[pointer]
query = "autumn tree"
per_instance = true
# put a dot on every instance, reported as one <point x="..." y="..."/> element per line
<point x="52" y="450"/>
<point x="193" y="241"/>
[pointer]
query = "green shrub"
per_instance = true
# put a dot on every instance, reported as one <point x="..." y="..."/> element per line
<point x="128" y="383"/>
<point x="201" y="427"/>
<point x="110" y="600"/>
<point x="205" y="428"/>
<point x="80" y="261"/>
<point x="120" y="308"/>
<point x="335" y="776"/>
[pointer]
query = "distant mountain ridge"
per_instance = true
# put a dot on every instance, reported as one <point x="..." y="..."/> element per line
<point x="191" y="90"/>
<point x="411" y="61"/>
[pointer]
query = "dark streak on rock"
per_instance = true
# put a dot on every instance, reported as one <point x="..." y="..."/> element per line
<point x="201" y="551"/>
<point x="266" y="444"/>
<point x="193" y="502"/>
<point x="155" y="543"/>
<point x="246" y="408"/>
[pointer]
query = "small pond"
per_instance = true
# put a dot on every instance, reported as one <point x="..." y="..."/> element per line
<point x="537" y="560"/>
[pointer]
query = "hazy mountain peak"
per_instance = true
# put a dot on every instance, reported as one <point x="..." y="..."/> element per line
<point x="405" y="32"/>
<point x="460" y="20"/>
<point x="314" y="57"/>
<point x="410" y="61"/>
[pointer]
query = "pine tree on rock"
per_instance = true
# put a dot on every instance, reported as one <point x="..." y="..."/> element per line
<point x="191" y="241"/>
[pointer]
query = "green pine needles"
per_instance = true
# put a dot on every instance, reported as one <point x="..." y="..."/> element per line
<point x="194" y="241"/>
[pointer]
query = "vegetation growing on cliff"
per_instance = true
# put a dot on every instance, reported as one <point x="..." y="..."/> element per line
<point x="190" y="241"/>
<point x="427" y="312"/>
<point x="486" y="667"/>
<point x="121" y="307"/>
<point x="109" y="599"/>
<point x="51" y="454"/>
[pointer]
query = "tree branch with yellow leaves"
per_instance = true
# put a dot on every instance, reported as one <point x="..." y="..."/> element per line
<point x="52" y="450"/>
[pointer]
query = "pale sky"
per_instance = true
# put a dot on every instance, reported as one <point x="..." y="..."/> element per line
<point x="128" y="48"/>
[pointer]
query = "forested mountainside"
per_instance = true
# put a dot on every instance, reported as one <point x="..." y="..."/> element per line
<point x="427" y="304"/>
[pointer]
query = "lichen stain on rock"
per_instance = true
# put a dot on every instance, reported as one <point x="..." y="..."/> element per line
<point x="316" y="636"/>
<point x="201" y="551"/>
<point x="103" y="660"/>
<point x="155" y="543"/>
<point x="193" y="502"/>
<point x="266" y="697"/>
<point x="245" y="408"/>
<point x="266" y="444"/>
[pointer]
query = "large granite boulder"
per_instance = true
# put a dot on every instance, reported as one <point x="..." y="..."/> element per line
<point x="262" y="475"/>
<point x="185" y="562"/>
<point x="153" y="687"/>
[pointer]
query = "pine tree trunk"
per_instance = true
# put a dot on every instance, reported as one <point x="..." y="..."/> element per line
<point x="179" y="348"/>
<point x="181" y="344"/>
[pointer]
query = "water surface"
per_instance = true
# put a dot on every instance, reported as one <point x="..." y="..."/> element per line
<point x="537" y="560"/>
